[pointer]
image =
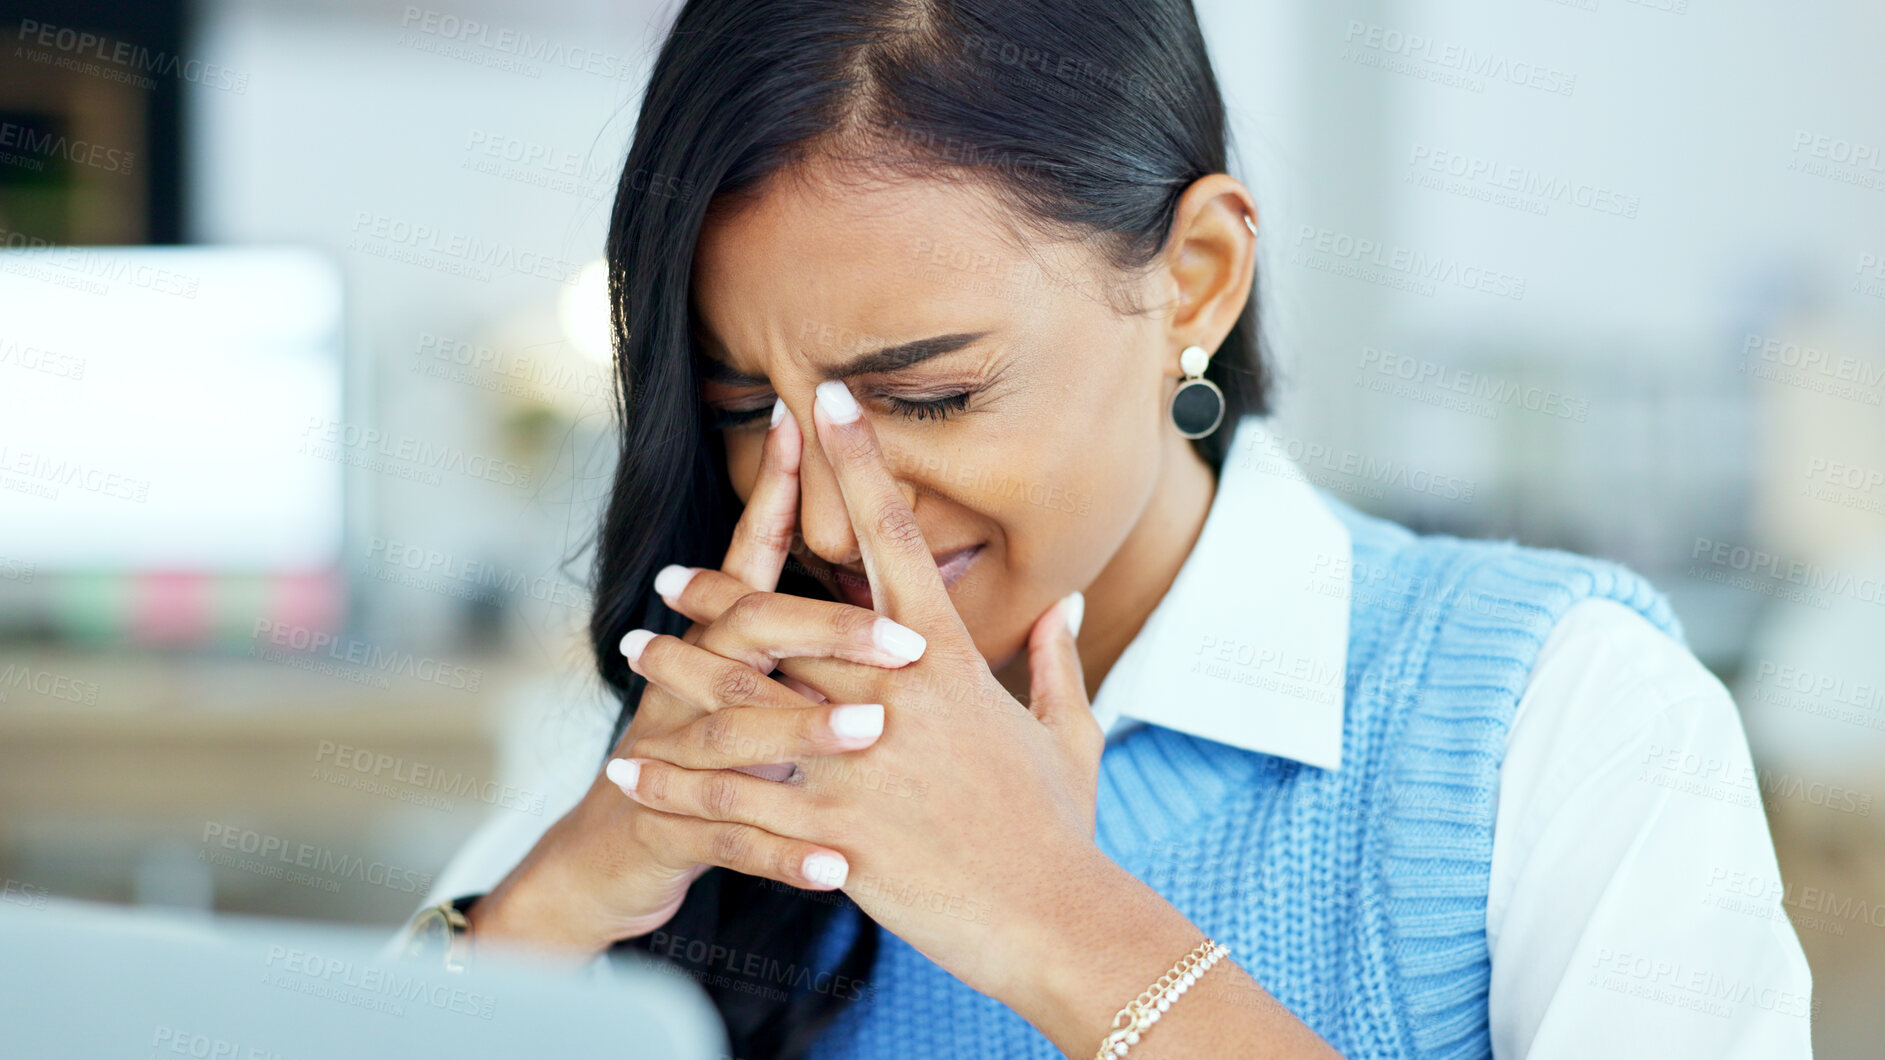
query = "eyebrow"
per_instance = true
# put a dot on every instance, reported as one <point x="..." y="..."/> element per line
<point x="888" y="359"/>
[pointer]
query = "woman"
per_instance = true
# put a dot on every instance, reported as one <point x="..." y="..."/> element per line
<point x="941" y="407"/>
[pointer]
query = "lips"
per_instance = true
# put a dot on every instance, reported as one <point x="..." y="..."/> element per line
<point x="856" y="590"/>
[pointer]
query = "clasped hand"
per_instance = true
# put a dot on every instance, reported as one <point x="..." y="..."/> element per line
<point x="951" y="813"/>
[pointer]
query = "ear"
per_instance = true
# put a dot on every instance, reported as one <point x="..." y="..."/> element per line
<point x="1211" y="259"/>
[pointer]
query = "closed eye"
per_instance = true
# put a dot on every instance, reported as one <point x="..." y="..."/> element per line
<point x="937" y="408"/>
<point x="932" y="408"/>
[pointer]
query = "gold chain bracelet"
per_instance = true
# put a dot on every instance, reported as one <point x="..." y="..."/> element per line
<point x="1138" y="1017"/>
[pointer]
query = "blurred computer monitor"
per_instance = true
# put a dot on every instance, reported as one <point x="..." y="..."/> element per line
<point x="166" y="414"/>
<point x="81" y="981"/>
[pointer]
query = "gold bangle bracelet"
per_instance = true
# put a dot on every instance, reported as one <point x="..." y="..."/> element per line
<point x="1136" y="1018"/>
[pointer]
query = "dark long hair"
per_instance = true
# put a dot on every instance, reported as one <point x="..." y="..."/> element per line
<point x="1086" y="118"/>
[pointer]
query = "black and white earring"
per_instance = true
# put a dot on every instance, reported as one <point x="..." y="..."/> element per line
<point x="1198" y="406"/>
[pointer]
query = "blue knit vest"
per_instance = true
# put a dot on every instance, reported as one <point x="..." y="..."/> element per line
<point x="1357" y="897"/>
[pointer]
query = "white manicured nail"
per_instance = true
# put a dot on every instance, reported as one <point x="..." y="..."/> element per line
<point x="835" y="398"/>
<point x="673" y="579"/>
<point x="858" y="721"/>
<point x="778" y="410"/>
<point x="623" y="773"/>
<point x="1075" y="610"/>
<point x="634" y="641"/>
<point x="897" y="639"/>
<point x="828" y="870"/>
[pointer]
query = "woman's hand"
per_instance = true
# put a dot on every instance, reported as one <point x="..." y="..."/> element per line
<point x="611" y="869"/>
<point x="969" y="822"/>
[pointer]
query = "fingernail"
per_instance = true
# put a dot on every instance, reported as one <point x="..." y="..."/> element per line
<point x="778" y="410"/>
<point x="828" y="870"/>
<point x="835" y="398"/>
<point x="673" y="579"/>
<point x="1074" y="611"/>
<point x="634" y="641"/>
<point x="624" y="773"/>
<point x="897" y="639"/>
<point x="858" y="721"/>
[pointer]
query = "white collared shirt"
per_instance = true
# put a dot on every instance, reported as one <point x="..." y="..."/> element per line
<point x="1634" y="906"/>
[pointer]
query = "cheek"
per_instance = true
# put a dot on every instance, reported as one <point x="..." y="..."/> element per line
<point x="1076" y="504"/>
<point x="742" y="463"/>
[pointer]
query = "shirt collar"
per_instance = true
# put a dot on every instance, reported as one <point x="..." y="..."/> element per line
<point x="1249" y="646"/>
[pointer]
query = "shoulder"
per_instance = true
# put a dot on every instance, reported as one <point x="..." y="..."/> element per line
<point x="1618" y="719"/>
<point x="1610" y="689"/>
<point x="1601" y="652"/>
<point x="1629" y="811"/>
<point x="1400" y="577"/>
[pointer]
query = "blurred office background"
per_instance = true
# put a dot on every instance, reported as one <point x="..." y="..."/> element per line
<point x="304" y="396"/>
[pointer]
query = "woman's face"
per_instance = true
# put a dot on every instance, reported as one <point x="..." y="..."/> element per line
<point x="1020" y="410"/>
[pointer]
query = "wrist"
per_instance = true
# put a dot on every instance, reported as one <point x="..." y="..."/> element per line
<point x="547" y="903"/>
<point x="525" y="912"/>
<point x="1085" y="959"/>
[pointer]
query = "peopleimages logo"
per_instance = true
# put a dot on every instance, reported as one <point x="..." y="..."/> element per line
<point x="127" y="60"/>
<point x="1757" y="563"/>
<point x="1394" y="49"/>
<point x="505" y="41"/>
<point x="1478" y="392"/>
<point x="1402" y="268"/>
<point x="368" y="986"/>
<point x="403" y="455"/>
<point x="55" y="145"/>
<point x="1530" y="189"/>
<point x="375" y="660"/>
<point x="319" y="859"/>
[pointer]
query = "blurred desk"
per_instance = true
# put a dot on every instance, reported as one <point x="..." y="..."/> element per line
<point x="241" y="784"/>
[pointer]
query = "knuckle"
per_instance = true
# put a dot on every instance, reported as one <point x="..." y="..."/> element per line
<point x="717" y="732"/>
<point x="856" y="446"/>
<point x="731" y="846"/>
<point x="735" y="685"/>
<point x="744" y="609"/>
<point x="897" y="525"/>
<point x="653" y="783"/>
<point x="848" y="623"/>
<point x="772" y="537"/>
<point x="720" y="796"/>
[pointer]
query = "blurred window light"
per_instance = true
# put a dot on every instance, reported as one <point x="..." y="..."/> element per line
<point x="583" y="311"/>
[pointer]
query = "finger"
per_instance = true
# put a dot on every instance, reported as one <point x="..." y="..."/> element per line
<point x="763" y="536"/>
<point x="761" y="628"/>
<point x="729" y="739"/>
<point x="938" y="692"/>
<point x="903" y="575"/>
<point x="1057" y="682"/>
<point x="716" y="795"/>
<point x="816" y="679"/>
<point x="799" y="686"/>
<point x="742" y="848"/>
<point x="700" y="678"/>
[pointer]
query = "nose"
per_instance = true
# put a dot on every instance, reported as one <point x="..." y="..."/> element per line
<point x="824" y="520"/>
